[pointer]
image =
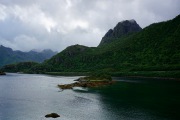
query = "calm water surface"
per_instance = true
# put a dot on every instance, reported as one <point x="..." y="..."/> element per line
<point x="31" y="97"/>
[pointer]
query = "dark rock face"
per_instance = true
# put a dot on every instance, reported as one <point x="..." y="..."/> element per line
<point x="52" y="115"/>
<point x="121" y="29"/>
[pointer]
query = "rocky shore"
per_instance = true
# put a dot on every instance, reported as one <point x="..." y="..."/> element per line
<point x="2" y="73"/>
<point x="83" y="82"/>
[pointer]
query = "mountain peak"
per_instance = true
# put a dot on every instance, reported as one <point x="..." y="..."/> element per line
<point x="130" y="21"/>
<point x="121" y="29"/>
<point x="3" y="48"/>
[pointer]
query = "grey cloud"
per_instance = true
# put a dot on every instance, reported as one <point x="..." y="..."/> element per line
<point x="56" y="24"/>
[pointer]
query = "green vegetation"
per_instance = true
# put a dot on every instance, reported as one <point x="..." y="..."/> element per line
<point x="154" y="51"/>
<point x="99" y="76"/>
<point x="24" y="67"/>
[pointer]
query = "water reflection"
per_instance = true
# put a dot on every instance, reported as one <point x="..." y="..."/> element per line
<point x="142" y="99"/>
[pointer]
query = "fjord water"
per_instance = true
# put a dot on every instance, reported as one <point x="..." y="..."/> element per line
<point x="31" y="97"/>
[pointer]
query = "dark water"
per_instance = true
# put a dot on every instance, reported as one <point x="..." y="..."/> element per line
<point x="30" y="97"/>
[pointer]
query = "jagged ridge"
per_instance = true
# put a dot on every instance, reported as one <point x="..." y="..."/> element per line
<point x="123" y="28"/>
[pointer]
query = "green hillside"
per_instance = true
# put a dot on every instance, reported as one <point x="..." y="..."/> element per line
<point x="155" y="48"/>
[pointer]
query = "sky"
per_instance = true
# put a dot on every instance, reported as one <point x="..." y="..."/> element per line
<point x="56" y="24"/>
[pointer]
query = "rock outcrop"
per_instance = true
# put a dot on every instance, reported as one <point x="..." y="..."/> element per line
<point x="52" y="115"/>
<point x="121" y="29"/>
<point x="2" y="73"/>
<point x="83" y="82"/>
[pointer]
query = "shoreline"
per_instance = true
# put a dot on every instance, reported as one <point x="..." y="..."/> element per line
<point x="115" y="75"/>
<point x="2" y="73"/>
<point x="158" y="78"/>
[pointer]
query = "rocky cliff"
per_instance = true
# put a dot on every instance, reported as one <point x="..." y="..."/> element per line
<point x="121" y="29"/>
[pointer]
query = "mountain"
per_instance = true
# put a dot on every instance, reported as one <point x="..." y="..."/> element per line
<point x="8" y="56"/>
<point x="122" y="29"/>
<point x="73" y="57"/>
<point x="155" y="48"/>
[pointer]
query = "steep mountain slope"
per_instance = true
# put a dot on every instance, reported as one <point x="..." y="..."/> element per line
<point x="122" y="29"/>
<point x="8" y="56"/>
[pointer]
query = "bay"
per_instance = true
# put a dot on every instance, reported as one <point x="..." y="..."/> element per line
<point x="31" y="97"/>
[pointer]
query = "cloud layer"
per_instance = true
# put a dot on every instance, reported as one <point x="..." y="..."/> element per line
<point x="56" y="24"/>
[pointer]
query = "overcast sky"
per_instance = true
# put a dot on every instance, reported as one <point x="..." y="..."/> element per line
<point x="56" y="24"/>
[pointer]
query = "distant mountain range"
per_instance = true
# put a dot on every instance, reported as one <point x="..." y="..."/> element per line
<point x="8" y="56"/>
<point x="125" y="49"/>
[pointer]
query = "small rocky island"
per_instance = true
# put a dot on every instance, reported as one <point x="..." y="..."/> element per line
<point x="90" y="81"/>
<point x="2" y="73"/>
<point x="52" y="115"/>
